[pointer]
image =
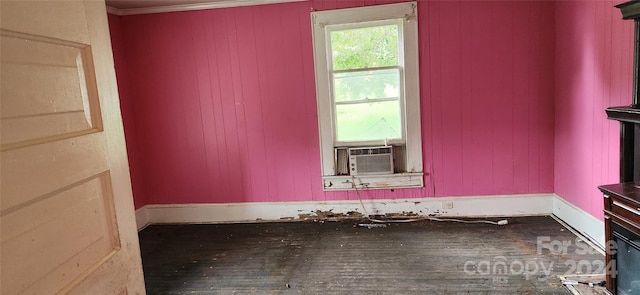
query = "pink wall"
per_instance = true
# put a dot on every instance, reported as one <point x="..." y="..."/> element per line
<point x="593" y="71"/>
<point x="488" y="96"/>
<point x="126" y="106"/>
<point x="220" y="103"/>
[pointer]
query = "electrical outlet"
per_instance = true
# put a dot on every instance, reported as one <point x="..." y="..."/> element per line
<point x="447" y="205"/>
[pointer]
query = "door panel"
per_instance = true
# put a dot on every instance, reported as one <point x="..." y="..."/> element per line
<point x="80" y="157"/>
<point x="62" y="20"/>
<point x="66" y="208"/>
<point x="52" y="86"/>
<point x="75" y="226"/>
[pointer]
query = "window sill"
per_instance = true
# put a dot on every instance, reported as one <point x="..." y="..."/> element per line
<point x="384" y="181"/>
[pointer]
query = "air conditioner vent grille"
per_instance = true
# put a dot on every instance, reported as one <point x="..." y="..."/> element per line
<point x="369" y="151"/>
<point x="371" y="160"/>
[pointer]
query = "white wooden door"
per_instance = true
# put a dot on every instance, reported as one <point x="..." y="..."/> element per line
<point x="67" y="218"/>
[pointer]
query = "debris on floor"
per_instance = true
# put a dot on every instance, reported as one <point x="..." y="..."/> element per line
<point x="372" y="225"/>
<point x="330" y="215"/>
<point x="587" y="284"/>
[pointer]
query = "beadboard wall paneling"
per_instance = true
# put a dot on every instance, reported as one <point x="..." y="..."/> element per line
<point x="491" y="100"/>
<point x="126" y="107"/>
<point x="221" y="103"/>
<point x="594" y="58"/>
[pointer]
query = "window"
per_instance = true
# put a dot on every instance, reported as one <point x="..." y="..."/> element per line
<point x="367" y="87"/>
<point x="366" y="81"/>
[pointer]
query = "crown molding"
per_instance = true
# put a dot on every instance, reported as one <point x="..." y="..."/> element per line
<point x="113" y="10"/>
<point x="195" y="6"/>
<point x="630" y="10"/>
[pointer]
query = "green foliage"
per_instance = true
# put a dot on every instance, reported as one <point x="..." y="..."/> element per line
<point x="366" y="48"/>
<point x="366" y="84"/>
<point x="368" y="121"/>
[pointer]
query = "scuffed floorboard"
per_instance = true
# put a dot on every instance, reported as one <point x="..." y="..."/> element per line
<point x="425" y="257"/>
<point x="583" y="289"/>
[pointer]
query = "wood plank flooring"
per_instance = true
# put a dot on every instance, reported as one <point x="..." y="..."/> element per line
<point x="425" y="257"/>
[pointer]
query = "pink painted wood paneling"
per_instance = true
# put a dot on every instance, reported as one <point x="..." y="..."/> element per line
<point x="593" y="71"/>
<point x="127" y="109"/>
<point x="486" y="96"/>
<point x="223" y="101"/>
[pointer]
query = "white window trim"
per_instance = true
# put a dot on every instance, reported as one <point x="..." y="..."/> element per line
<point x="411" y="106"/>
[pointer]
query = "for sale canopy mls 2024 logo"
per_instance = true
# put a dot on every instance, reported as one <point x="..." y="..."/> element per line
<point x="541" y="267"/>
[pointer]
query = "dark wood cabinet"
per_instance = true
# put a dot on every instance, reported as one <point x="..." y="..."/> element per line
<point x="621" y="209"/>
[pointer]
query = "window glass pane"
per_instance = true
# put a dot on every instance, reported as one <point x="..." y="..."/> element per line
<point x="365" y="47"/>
<point x="368" y="121"/>
<point x="366" y="84"/>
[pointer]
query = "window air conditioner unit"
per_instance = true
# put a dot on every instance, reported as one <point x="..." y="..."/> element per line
<point x="371" y="160"/>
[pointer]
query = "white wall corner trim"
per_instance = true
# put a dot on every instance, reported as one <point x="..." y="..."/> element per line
<point x="194" y="6"/>
<point x="480" y="206"/>
<point x="142" y="218"/>
<point x="585" y="223"/>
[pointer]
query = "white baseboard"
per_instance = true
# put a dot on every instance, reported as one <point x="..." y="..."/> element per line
<point x="142" y="218"/>
<point x="585" y="223"/>
<point x="483" y="206"/>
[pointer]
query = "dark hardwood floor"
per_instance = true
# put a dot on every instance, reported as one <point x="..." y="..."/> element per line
<point x="425" y="257"/>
